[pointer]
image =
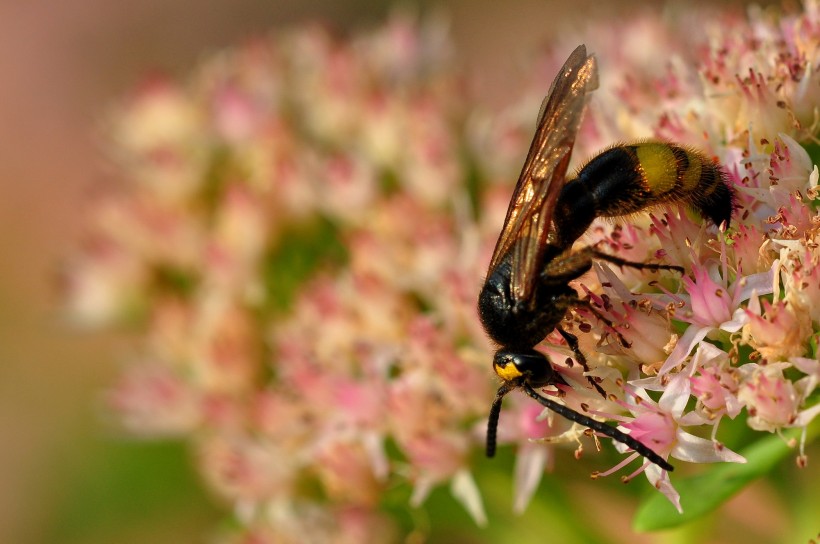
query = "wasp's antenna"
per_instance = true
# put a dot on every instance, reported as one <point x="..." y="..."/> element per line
<point x="495" y="411"/>
<point x="586" y="421"/>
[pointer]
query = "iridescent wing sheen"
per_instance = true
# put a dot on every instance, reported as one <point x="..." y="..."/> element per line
<point x="529" y="217"/>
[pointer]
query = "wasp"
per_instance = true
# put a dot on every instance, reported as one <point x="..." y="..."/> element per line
<point x="526" y="294"/>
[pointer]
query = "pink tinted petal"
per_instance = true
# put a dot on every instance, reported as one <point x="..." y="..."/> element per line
<point x="694" y="419"/>
<point x="809" y="367"/>
<point x="708" y="352"/>
<point x="531" y="422"/>
<point x="649" y="384"/>
<point x="733" y="405"/>
<point x="708" y="306"/>
<point x="706" y="387"/>
<point x="653" y="429"/>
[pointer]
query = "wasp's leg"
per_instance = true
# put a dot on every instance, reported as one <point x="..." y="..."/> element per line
<point x="600" y="427"/>
<point x="567" y="267"/>
<point x="631" y="264"/>
<point x="572" y="265"/>
<point x="572" y="342"/>
<point x="587" y="305"/>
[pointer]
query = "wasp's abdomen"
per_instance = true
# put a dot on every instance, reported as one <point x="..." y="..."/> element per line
<point x="630" y="178"/>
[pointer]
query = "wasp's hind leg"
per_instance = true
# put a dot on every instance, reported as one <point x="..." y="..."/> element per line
<point x="572" y="265"/>
<point x="631" y="264"/>
<point x="572" y="342"/>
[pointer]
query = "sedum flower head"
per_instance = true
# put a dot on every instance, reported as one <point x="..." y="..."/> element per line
<point x="307" y="223"/>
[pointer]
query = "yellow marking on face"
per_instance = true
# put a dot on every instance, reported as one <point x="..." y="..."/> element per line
<point x="659" y="167"/>
<point x="508" y="372"/>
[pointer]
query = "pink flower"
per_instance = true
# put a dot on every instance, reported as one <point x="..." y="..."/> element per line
<point x="745" y="246"/>
<point x="715" y="385"/>
<point x="713" y="305"/>
<point x="104" y="285"/>
<point x="780" y="333"/>
<point x="659" y="426"/>
<point x="680" y="239"/>
<point x="772" y="401"/>
<point x="236" y="116"/>
<point x="247" y="470"/>
<point x="346" y="471"/>
<point x="801" y="280"/>
<point x="152" y="400"/>
<point x="423" y="421"/>
<point x="646" y="329"/>
<point x="308" y="222"/>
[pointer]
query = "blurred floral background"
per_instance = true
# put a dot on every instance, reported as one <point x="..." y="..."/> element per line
<point x="200" y="104"/>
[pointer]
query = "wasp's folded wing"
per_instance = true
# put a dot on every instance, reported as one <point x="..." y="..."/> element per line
<point x="529" y="216"/>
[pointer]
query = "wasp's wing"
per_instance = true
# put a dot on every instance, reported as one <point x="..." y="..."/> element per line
<point x="529" y="216"/>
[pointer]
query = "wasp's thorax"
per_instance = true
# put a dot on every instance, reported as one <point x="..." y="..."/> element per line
<point x="519" y="324"/>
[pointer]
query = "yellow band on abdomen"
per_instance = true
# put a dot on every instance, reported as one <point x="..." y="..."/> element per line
<point x="658" y="166"/>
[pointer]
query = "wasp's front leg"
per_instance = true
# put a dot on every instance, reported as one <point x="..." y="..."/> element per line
<point x="572" y="342"/>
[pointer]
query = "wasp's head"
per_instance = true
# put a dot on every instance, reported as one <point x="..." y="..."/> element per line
<point x="524" y="366"/>
<point x="517" y="368"/>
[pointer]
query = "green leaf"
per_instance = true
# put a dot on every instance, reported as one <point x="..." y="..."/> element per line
<point x="114" y="490"/>
<point x="703" y="493"/>
<point x="813" y="150"/>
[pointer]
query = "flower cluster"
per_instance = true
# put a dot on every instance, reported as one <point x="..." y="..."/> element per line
<point x="744" y="95"/>
<point x="307" y="224"/>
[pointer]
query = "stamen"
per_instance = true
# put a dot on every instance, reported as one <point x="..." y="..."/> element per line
<point x="619" y="466"/>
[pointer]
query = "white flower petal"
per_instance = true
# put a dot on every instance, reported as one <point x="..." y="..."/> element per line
<point x="650" y="384"/>
<point x="736" y="323"/>
<point x="465" y="490"/>
<point x="674" y="398"/>
<point x="707" y="353"/>
<point x="733" y="406"/>
<point x="529" y="468"/>
<point x="374" y="445"/>
<point x="660" y="479"/>
<point x="689" y="340"/>
<point x="761" y="283"/>
<point x="694" y="419"/>
<point x="423" y="485"/>
<point x="810" y="367"/>
<point x="694" y="449"/>
<point x="806" y="416"/>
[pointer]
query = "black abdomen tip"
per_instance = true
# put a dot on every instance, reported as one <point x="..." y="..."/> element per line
<point x="719" y="204"/>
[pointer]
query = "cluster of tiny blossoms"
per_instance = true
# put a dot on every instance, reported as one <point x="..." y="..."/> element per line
<point x="737" y="333"/>
<point x="356" y="164"/>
